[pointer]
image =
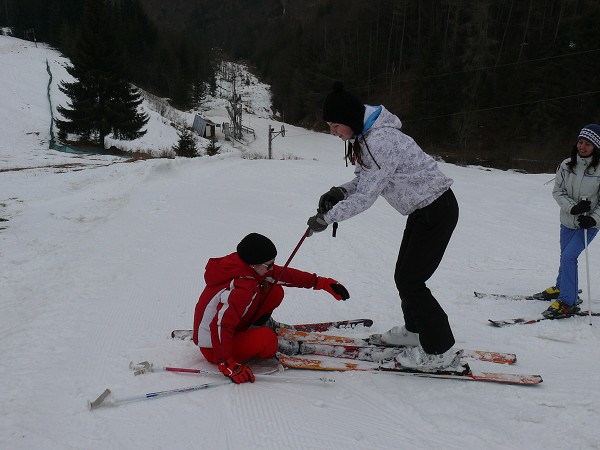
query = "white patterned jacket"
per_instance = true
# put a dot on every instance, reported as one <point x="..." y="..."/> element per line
<point x="395" y="168"/>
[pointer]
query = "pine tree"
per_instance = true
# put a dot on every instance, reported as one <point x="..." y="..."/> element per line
<point x="101" y="101"/>
<point x="212" y="149"/>
<point x="186" y="146"/>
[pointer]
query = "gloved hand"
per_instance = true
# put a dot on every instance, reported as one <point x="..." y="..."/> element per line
<point x="239" y="373"/>
<point x="330" y="198"/>
<point x="582" y="207"/>
<point x="336" y="289"/>
<point x="586" y="222"/>
<point x="317" y="223"/>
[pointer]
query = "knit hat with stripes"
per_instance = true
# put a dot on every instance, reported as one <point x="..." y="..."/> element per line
<point x="591" y="132"/>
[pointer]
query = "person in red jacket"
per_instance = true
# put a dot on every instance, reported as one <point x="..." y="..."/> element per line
<point x="239" y="297"/>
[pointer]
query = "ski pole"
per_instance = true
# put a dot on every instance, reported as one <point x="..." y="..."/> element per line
<point x="587" y="273"/>
<point x="106" y="398"/>
<point x="287" y="263"/>
<point x="145" y="367"/>
<point x="587" y="270"/>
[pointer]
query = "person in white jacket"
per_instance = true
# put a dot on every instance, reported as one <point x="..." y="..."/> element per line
<point x="576" y="190"/>
<point x="390" y="164"/>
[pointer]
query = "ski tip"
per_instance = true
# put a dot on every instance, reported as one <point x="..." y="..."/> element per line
<point x="527" y="380"/>
<point x="507" y="378"/>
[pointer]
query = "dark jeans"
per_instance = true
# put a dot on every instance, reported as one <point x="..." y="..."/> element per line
<point x="428" y="231"/>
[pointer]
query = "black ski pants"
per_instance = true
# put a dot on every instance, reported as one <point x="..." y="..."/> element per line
<point x="428" y="231"/>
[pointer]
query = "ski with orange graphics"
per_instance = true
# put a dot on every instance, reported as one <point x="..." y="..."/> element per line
<point x="463" y="372"/>
<point x="366" y="349"/>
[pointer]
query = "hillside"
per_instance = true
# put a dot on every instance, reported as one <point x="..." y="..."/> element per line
<point x="100" y="259"/>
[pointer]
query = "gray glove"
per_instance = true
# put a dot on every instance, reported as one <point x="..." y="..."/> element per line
<point x="316" y="223"/>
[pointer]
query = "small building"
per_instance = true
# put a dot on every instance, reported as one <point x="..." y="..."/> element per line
<point x="204" y="127"/>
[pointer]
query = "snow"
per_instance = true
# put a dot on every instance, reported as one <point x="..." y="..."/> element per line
<point x="100" y="259"/>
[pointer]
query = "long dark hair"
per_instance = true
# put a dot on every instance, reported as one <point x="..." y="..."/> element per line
<point x="354" y="153"/>
<point x="595" y="159"/>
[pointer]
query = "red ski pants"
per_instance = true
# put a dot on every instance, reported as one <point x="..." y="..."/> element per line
<point x="259" y="342"/>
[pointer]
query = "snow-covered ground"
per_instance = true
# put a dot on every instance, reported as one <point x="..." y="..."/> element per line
<point x="101" y="259"/>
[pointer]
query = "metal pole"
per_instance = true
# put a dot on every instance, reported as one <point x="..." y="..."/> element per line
<point x="106" y="398"/>
<point x="287" y="263"/>
<point x="587" y="270"/>
<point x="270" y="142"/>
<point x="270" y="375"/>
<point x="587" y="273"/>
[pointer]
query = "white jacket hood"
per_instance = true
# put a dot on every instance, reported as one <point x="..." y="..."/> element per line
<point x="395" y="167"/>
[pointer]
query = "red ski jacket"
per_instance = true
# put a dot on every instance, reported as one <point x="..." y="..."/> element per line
<point x="232" y="297"/>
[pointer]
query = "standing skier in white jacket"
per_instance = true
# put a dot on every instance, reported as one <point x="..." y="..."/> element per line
<point x="577" y="192"/>
<point x="390" y="164"/>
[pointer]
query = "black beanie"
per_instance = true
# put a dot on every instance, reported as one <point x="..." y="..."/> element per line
<point x="341" y="106"/>
<point x="256" y="249"/>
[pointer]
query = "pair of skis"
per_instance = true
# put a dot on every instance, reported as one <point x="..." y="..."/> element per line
<point x="365" y="349"/>
<point x="310" y="347"/>
<point x="526" y="320"/>
<point x="302" y="348"/>
<point x="317" y="351"/>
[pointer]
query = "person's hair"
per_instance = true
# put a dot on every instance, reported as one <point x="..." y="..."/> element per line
<point x="354" y="153"/>
<point x="595" y="159"/>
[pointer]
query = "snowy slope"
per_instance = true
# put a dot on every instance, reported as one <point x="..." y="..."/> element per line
<point x="99" y="262"/>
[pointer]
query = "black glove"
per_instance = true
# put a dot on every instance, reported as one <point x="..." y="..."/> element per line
<point x="330" y="198"/>
<point x="317" y="223"/>
<point x="582" y="207"/>
<point x="586" y="222"/>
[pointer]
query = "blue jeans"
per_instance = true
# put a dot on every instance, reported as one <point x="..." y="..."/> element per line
<point x="571" y="245"/>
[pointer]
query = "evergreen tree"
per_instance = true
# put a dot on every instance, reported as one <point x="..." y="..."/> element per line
<point x="186" y="146"/>
<point x="198" y="94"/>
<point x="101" y="101"/>
<point x="213" y="148"/>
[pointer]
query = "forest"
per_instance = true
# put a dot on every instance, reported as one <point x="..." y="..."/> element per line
<point x="164" y="63"/>
<point x="504" y="83"/>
